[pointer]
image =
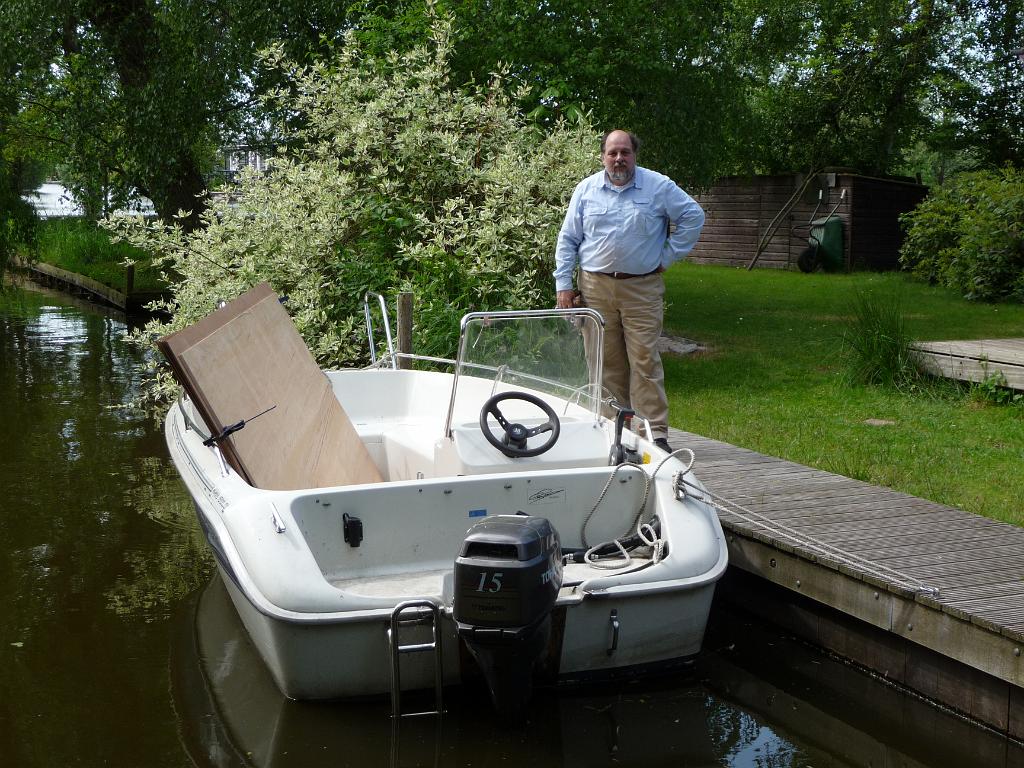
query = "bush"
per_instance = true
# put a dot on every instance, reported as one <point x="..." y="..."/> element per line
<point x="969" y="235"/>
<point x="396" y="182"/>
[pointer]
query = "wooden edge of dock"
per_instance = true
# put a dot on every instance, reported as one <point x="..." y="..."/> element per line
<point x="974" y="361"/>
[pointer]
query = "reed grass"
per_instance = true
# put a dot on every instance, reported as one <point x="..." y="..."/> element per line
<point x="876" y="343"/>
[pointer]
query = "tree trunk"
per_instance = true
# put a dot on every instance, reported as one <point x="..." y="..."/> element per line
<point x="175" y="182"/>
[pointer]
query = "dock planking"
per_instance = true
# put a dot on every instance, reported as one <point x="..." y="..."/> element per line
<point x="974" y="361"/>
<point x="923" y="573"/>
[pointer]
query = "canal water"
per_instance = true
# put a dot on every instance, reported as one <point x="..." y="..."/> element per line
<point x="118" y="646"/>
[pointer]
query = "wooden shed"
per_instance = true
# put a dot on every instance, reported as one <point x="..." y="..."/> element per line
<point x="740" y="211"/>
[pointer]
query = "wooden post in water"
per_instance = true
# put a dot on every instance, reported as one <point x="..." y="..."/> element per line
<point x="405" y="329"/>
<point x="129" y="281"/>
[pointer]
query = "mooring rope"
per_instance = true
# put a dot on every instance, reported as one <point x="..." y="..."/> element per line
<point x="644" y="530"/>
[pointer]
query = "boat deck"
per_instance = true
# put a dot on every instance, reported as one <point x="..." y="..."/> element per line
<point x="926" y="574"/>
<point x="974" y="360"/>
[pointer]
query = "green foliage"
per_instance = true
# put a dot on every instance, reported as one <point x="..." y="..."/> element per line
<point x="136" y="97"/>
<point x="17" y="224"/>
<point x="936" y="161"/>
<point x="992" y="390"/>
<point x="398" y="181"/>
<point x="878" y="344"/>
<point x="969" y="235"/>
<point x="981" y="83"/>
<point x="843" y="83"/>
<point x="666" y="71"/>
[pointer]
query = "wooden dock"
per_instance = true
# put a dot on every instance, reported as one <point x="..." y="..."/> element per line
<point x="925" y="595"/>
<point x="974" y="360"/>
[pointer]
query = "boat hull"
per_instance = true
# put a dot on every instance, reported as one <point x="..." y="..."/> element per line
<point x="332" y="658"/>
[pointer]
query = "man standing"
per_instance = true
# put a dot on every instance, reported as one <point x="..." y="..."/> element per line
<point x="624" y="227"/>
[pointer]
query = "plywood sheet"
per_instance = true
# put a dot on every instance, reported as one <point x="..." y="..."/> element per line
<point x="248" y="357"/>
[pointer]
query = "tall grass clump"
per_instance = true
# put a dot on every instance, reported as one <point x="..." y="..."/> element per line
<point x="877" y="343"/>
<point x="17" y="228"/>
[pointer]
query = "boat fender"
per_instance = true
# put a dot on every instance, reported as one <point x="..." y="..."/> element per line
<point x="352" y="528"/>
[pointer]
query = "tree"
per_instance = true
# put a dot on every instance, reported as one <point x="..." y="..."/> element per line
<point x="983" y="79"/>
<point x="137" y="95"/>
<point x="716" y="88"/>
<point x="849" y="86"/>
<point x="662" y="69"/>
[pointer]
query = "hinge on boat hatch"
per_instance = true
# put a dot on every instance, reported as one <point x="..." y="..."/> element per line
<point x="418" y="613"/>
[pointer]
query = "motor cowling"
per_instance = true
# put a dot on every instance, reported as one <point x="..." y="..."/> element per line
<point x="507" y="577"/>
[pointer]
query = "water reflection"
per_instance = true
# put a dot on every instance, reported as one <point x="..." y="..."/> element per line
<point x="754" y="699"/>
<point x="53" y="200"/>
<point x="80" y="683"/>
<point x="225" y="689"/>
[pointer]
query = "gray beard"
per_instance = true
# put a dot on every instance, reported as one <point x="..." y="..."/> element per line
<point x="619" y="178"/>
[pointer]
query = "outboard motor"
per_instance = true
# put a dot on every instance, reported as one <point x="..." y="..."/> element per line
<point x="506" y="580"/>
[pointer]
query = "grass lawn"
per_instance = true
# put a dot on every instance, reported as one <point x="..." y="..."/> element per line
<point x="774" y="379"/>
<point x="82" y="247"/>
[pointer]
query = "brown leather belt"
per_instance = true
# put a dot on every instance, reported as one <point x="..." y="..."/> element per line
<point x="625" y="275"/>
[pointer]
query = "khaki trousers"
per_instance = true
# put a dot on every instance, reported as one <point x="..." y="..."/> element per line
<point x="633" y="312"/>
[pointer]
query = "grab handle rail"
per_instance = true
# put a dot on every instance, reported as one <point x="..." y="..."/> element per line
<point x="387" y="328"/>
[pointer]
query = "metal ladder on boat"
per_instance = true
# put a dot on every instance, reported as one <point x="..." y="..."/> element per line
<point x="415" y="613"/>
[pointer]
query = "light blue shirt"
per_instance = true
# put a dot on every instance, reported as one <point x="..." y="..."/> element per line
<point x="610" y="229"/>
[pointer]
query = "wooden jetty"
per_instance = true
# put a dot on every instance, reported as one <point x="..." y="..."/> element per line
<point x="924" y="595"/>
<point x="974" y="360"/>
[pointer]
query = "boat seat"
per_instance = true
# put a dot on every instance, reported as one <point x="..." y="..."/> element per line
<point x="409" y="451"/>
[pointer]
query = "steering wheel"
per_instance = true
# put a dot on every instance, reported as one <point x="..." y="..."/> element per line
<point x="513" y="444"/>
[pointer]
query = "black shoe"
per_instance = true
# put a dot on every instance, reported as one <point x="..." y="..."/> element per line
<point x="662" y="443"/>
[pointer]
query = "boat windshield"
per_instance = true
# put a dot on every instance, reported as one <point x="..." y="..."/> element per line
<point x="554" y="354"/>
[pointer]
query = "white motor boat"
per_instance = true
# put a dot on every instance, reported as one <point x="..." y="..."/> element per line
<point x="394" y="528"/>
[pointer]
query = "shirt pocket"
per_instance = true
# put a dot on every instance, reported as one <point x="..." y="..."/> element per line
<point x="644" y="218"/>
<point x="599" y="221"/>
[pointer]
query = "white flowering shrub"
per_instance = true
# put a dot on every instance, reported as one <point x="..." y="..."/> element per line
<point x="396" y="181"/>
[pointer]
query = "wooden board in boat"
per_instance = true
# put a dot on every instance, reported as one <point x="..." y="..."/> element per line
<point x="248" y="357"/>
